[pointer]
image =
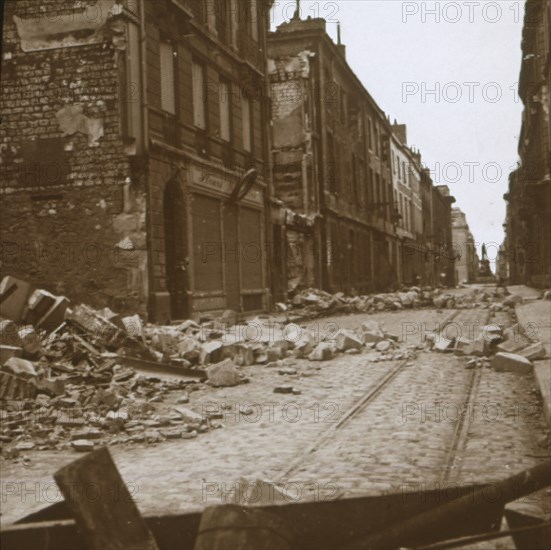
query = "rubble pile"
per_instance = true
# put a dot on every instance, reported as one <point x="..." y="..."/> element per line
<point x="66" y="378"/>
<point x="504" y="350"/>
<point x="313" y="302"/>
<point x="79" y="377"/>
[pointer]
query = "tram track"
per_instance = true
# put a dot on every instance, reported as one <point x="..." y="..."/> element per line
<point x="450" y="470"/>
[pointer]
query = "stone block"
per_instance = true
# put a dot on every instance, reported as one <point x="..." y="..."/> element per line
<point x="534" y="351"/>
<point x="40" y="301"/>
<point x="82" y="445"/>
<point x="9" y="334"/>
<point x="134" y="326"/>
<point x="6" y="352"/>
<point x="322" y="352"/>
<point x="20" y="367"/>
<point x="477" y="347"/>
<point x="346" y="339"/>
<point x="510" y="362"/>
<point x="383" y="345"/>
<point x="55" y="315"/>
<point x="210" y="352"/>
<point x="224" y="374"/>
<point x="30" y="342"/>
<point x="511" y="346"/>
<point x="189" y="416"/>
<point x="442" y="344"/>
<point x="15" y="306"/>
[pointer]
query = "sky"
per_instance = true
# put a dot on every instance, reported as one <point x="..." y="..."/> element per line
<point x="449" y="70"/>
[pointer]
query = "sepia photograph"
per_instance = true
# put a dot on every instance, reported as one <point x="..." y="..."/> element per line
<point x="275" y="275"/>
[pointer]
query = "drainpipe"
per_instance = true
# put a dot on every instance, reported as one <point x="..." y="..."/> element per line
<point x="145" y="118"/>
<point x="145" y="156"/>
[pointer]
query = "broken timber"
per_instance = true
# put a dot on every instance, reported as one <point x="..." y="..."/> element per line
<point x="106" y="515"/>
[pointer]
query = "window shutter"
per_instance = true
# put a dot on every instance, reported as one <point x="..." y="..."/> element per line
<point x="168" y="99"/>
<point x="224" y="101"/>
<point x="198" y="96"/>
<point x="246" y="110"/>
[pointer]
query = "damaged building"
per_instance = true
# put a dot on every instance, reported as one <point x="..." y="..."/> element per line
<point x="331" y="162"/>
<point x="134" y="146"/>
<point x="526" y="254"/>
<point x="361" y="221"/>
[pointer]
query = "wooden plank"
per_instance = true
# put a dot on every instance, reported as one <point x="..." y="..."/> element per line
<point x="101" y="504"/>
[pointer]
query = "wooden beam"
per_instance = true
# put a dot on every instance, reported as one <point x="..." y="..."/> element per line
<point x="102" y="507"/>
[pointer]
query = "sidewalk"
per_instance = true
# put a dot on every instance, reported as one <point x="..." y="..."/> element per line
<point x="536" y="314"/>
<point x="526" y="292"/>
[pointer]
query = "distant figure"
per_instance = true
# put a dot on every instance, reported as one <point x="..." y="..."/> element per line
<point x="500" y="282"/>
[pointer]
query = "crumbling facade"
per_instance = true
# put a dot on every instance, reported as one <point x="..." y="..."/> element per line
<point x="527" y="247"/>
<point x="362" y="196"/>
<point x="331" y="146"/>
<point x="135" y="149"/>
<point x="70" y="207"/>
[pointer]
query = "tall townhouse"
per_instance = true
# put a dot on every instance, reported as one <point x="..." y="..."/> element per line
<point x="331" y="154"/>
<point x="527" y="246"/>
<point x="407" y="172"/>
<point x="135" y="151"/>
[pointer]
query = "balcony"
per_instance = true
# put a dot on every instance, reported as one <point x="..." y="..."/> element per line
<point x="250" y="51"/>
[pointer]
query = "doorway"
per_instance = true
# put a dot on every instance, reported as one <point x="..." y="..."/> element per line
<point x="177" y="264"/>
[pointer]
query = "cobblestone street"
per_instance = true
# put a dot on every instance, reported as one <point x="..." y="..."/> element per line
<point x="345" y="434"/>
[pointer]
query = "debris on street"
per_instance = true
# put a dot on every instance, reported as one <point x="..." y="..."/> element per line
<point x="312" y="302"/>
<point x="91" y="377"/>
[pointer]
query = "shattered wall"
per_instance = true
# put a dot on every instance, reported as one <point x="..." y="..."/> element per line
<point x="73" y="213"/>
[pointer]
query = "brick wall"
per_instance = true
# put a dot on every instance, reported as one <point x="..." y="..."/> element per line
<point x="67" y="196"/>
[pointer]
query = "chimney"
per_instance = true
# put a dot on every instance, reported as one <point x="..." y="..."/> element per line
<point x="340" y="46"/>
<point x="400" y="131"/>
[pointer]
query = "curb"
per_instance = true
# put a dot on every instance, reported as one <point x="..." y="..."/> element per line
<point x="542" y="372"/>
